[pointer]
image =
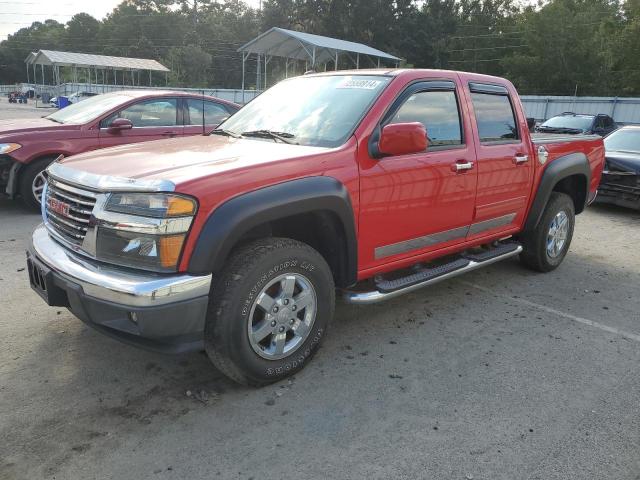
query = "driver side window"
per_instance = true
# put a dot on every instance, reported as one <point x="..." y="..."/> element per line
<point x="160" y="112"/>
<point x="438" y="111"/>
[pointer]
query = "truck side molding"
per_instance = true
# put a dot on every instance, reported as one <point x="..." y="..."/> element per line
<point x="236" y="217"/>
<point x="559" y="169"/>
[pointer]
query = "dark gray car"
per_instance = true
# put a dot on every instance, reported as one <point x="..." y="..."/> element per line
<point x="620" y="184"/>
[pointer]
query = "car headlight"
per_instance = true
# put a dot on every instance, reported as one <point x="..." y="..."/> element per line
<point x="151" y="205"/>
<point x="9" y="147"/>
<point x="144" y="230"/>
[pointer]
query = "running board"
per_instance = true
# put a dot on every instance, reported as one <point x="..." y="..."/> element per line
<point x="387" y="289"/>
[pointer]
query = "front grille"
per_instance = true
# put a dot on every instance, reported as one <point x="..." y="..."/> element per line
<point x="71" y="226"/>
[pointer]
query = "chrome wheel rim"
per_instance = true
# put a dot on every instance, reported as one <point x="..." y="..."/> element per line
<point x="37" y="186"/>
<point x="557" y="235"/>
<point x="282" y="316"/>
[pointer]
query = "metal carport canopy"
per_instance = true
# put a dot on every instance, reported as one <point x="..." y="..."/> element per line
<point x="279" y="42"/>
<point x="87" y="60"/>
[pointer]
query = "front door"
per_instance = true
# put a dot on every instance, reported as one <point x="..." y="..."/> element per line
<point x="152" y="120"/>
<point x="416" y="203"/>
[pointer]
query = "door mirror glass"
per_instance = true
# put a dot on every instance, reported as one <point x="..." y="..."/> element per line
<point x="402" y="139"/>
<point x="121" y="124"/>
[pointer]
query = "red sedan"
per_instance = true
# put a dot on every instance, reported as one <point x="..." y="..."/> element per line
<point x="28" y="146"/>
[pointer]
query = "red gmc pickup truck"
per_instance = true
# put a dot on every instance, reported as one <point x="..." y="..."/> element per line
<point x="373" y="182"/>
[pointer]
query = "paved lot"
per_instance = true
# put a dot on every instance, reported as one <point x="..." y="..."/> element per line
<point x="502" y="374"/>
<point x="9" y="111"/>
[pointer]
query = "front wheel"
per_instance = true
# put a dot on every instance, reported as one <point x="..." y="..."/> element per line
<point x="546" y="246"/>
<point x="32" y="180"/>
<point x="269" y="309"/>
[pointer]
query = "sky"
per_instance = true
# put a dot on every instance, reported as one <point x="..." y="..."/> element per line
<point x="21" y="13"/>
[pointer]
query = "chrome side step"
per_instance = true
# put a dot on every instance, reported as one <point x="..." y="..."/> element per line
<point x="474" y="262"/>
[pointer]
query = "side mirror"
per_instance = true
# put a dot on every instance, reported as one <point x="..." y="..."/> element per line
<point x="121" y="124"/>
<point x="402" y="139"/>
<point x="531" y="123"/>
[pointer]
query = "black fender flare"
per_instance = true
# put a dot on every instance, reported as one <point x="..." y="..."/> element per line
<point x="558" y="169"/>
<point x="237" y="216"/>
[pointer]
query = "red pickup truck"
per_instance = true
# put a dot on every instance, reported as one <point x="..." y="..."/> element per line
<point x="373" y="182"/>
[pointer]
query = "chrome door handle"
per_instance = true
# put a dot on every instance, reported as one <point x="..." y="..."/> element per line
<point x="461" y="167"/>
<point x="518" y="159"/>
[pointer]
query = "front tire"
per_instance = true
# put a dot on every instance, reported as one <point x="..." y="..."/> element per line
<point x="269" y="309"/>
<point x="31" y="183"/>
<point x="546" y="246"/>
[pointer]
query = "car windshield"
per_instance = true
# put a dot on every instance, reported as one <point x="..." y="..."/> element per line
<point x="625" y="140"/>
<point x="318" y="111"/>
<point x="87" y="110"/>
<point x="569" y="121"/>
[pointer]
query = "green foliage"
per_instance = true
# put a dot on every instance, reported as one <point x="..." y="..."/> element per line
<point x="554" y="47"/>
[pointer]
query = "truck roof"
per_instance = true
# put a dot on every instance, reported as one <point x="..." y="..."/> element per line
<point x="412" y="73"/>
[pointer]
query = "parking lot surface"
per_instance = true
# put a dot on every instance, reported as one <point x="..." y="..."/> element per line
<point x="499" y="374"/>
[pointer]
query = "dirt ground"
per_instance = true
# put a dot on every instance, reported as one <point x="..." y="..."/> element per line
<point x="500" y="374"/>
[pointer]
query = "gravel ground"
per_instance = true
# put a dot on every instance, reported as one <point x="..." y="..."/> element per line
<point x="500" y="374"/>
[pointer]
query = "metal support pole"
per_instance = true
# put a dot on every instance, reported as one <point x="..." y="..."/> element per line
<point x="357" y="61"/>
<point x="149" y="77"/>
<point x="266" y="60"/>
<point x="244" y="58"/>
<point x="378" y="63"/>
<point x="313" y="58"/>
<point x="336" y="65"/>
<point x="28" y="73"/>
<point x="546" y="108"/>
<point x="258" y="74"/>
<point x="613" y="109"/>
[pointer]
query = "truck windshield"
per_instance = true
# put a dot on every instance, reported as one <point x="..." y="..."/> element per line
<point x="569" y="121"/>
<point x="89" y="109"/>
<point x="625" y="140"/>
<point x="318" y="111"/>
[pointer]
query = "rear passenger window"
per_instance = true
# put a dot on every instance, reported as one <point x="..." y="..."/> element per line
<point x="214" y="113"/>
<point x="437" y="111"/>
<point x="494" y="116"/>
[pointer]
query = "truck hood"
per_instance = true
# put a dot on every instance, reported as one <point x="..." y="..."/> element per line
<point x="25" y="125"/>
<point x="184" y="159"/>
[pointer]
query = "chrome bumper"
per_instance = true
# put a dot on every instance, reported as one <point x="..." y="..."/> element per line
<point x="117" y="285"/>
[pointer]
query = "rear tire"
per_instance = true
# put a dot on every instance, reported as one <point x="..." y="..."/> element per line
<point x="32" y="181"/>
<point x="546" y="246"/>
<point x="269" y="308"/>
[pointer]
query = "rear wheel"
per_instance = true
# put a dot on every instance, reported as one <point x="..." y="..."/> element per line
<point x="269" y="308"/>
<point x="546" y="246"/>
<point x="32" y="180"/>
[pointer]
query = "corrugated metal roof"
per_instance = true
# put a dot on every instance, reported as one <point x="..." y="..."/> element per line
<point x="52" y="57"/>
<point x="280" y="42"/>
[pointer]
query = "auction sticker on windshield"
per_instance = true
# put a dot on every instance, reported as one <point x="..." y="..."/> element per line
<point x="361" y="84"/>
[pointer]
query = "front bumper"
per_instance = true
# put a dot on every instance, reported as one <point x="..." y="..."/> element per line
<point x="620" y="188"/>
<point x="154" y="311"/>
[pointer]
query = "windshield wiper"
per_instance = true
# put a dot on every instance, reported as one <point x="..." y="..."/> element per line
<point x="222" y="131"/>
<point x="284" y="137"/>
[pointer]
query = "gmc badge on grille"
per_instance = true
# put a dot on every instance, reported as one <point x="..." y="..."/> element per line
<point x="58" y="207"/>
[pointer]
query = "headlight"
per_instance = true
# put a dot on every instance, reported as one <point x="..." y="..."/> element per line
<point x="151" y="205"/>
<point x="9" y="147"/>
<point x="144" y="230"/>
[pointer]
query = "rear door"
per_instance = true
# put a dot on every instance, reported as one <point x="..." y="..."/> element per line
<point x="505" y="169"/>
<point x="200" y="112"/>
<point x="152" y="119"/>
